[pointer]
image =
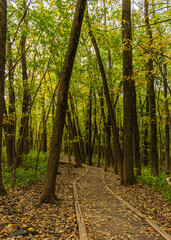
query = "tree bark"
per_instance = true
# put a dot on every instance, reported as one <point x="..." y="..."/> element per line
<point x="3" y="28"/>
<point x="136" y="140"/>
<point x="10" y="122"/>
<point x="44" y="141"/>
<point x="145" y="141"/>
<point x="48" y="194"/>
<point x="23" y="141"/>
<point x="89" y="128"/>
<point x="128" y="84"/>
<point x="152" y="104"/>
<point x="166" y="109"/>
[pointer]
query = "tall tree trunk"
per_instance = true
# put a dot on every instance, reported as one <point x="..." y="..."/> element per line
<point x="145" y="141"/>
<point x="44" y="141"/>
<point x="166" y="109"/>
<point x="90" y="127"/>
<point x="106" y="138"/>
<point x="48" y="194"/>
<point x="128" y="84"/>
<point x="3" y="27"/>
<point x="115" y="160"/>
<point x="10" y="124"/>
<point x="23" y="141"/>
<point x="117" y="147"/>
<point x="31" y="134"/>
<point x="95" y="123"/>
<point x="99" y="150"/>
<point x="86" y="131"/>
<point x="152" y="104"/>
<point x="136" y="141"/>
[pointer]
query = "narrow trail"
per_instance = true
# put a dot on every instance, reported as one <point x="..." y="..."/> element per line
<point x="106" y="217"/>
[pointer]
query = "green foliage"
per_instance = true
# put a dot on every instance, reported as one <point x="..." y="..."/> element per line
<point x="157" y="183"/>
<point x="25" y="173"/>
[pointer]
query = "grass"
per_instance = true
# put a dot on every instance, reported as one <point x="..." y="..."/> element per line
<point x="158" y="183"/>
<point x="25" y="173"/>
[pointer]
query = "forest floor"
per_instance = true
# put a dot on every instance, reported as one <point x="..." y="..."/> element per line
<point x="21" y="216"/>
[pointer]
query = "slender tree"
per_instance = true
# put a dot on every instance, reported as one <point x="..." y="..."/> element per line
<point x="90" y="128"/>
<point x="44" y="141"/>
<point x="23" y="141"/>
<point x="166" y="109"/>
<point x="3" y="27"/>
<point x="117" y="147"/>
<point x="9" y="122"/>
<point x="151" y="97"/>
<point x="128" y="97"/>
<point x="48" y="194"/>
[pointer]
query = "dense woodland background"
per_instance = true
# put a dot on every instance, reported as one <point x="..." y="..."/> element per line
<point x="118" y="109"/>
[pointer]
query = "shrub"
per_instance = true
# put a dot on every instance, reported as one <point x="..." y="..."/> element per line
<point x="158" y="183"/>
<point x="25" y="173"/>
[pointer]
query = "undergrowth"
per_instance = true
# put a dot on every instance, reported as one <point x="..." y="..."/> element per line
<point x="157" y="183"/>
<point x="25" y="173"/>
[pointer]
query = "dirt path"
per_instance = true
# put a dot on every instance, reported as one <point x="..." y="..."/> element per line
<point x="106" y="217"/>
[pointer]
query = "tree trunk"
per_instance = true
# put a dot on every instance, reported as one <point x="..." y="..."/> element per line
<point x="90" y="127"/>
<point x="3" y="27"/>
<point x="117" y="147"/>
<point x="152" y="104"/>
<point x="44" y="141"/>
<point x="106" y="139"/>
<point x="86" y="131"/>
<point x="99" y="151"/>
<point x="48" y="194"/>
<point x="145" y="141"/>
<point x="74" y="138"/>
<point x="23" y="141"/>
<point x="128" y="84"/>
<point x="136" y="143"/>
<point x="166" y="109"/>
<point x="10" y="123"/>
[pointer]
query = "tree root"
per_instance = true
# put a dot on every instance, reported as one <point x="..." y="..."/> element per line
<point x="48" y="198"/>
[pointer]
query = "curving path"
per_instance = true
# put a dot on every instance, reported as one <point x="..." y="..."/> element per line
<point x="105" y="216"/>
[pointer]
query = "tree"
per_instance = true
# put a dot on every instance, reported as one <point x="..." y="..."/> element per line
<point x="117" y="147"/>
<point x="3" y="27"/>
<point x="23" y="141"/>
<point x="151" y="97"/>
<point x="128" y="98"/>
<point x="9" y="122"/>
<point x="166" y="109"/>
<point x="48" y="194"/>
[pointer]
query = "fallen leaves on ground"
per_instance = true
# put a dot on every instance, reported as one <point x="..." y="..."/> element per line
<point x="21" y="217"/>
<point x="144" y="199"/>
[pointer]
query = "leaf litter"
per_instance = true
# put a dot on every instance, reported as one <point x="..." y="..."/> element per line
<point x="144" y="199"/>
<point x="21" y="217"/>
